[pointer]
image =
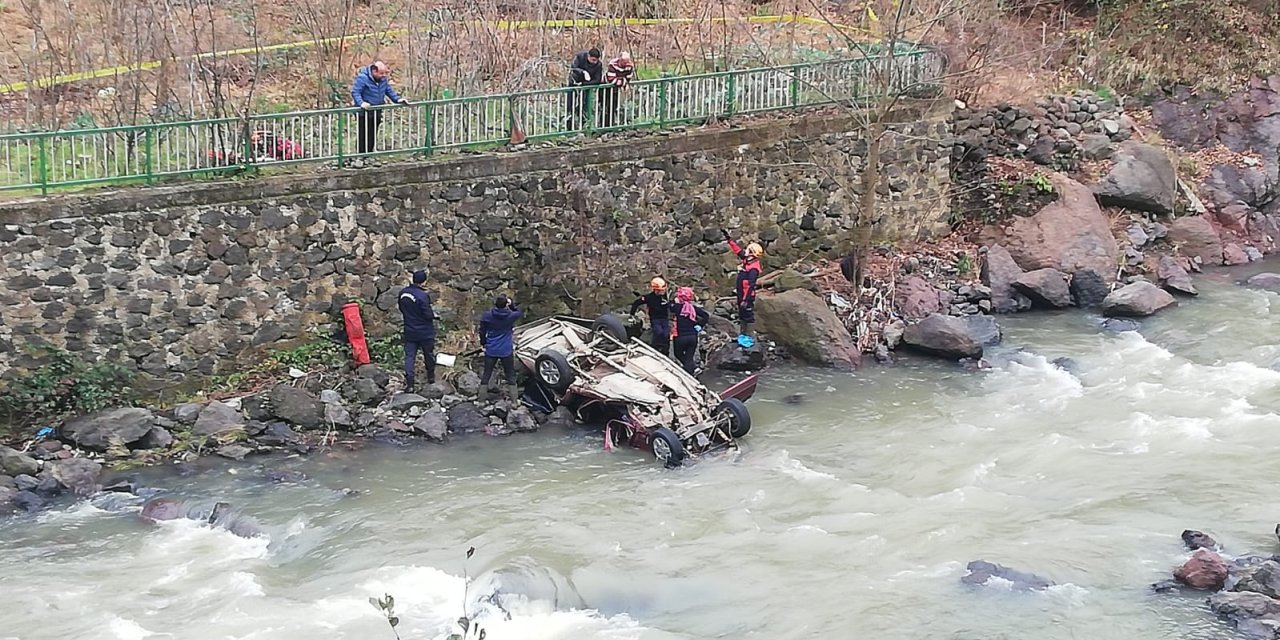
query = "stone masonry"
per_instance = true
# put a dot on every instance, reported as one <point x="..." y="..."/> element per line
<point x="193" y="279"/>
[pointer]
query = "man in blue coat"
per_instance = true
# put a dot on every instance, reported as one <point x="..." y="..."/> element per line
<point x="419" y="328"/>
<point x="497" y="335"/>
<point x="371" y="88"/>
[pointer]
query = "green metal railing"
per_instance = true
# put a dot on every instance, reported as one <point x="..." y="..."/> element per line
<point x="150" y="153"/>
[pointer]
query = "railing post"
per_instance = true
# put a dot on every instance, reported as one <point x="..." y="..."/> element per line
<point x="429" y="116"/>
<point x="664" y="97"/>
<point x="342" y="134"/>
<point x="43" y="163"/>
<point x="150" y="151"/>
<point x="731" y="91"/>
<point x="589" y="113"/>
<point x="795" y="87"/>
<point x="246" y="144"/>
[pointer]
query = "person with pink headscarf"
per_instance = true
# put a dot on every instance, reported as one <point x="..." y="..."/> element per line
<point x="689" y="322"/>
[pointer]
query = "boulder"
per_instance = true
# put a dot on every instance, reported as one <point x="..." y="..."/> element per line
<point x="337" y="415"/>
<point x="732" y="357"/>
<point x="1263" y="578"/>
<point x="789" y="279"/>
<point x="97" y="431"/>
<point x="466" y="417"/>
<point x="297" y="407"/>
<point x="16" y="463"/>
<point x="1205" y="570"/>
<point x="363" y="391"/>
<point x="156" y="438"/>
<point x="1088" y="289"/>
<point x="78" y="475"/>
<point x="1253" y="614"/>
<point x="1141" y="179"/>
<point x="8" y="504"/>
<point x="1195" y="237"/>
<point x="375" y="374"/>
<point x="1070" y="234"/>
<point x="1045" y="287"/>
<point x="28" y="501"/>
<point x="1268" y="281"/>
<point x="1136" y="300"/>
<point x="892" y="333"/>
<point x="187" y="413"/>
<point x="402" y="402"/>
<point x="1095" y="146"/>
<point x="519" y="420"/>
<point x="1199" y="540"/>
<point x="800" y="321"/>
<point x="915" y="298"/>
<point x="279" y="434"/>
<point x="234" y="451"/>
<point x="1173" y="277"/>
<point x="981" y="572"/>
<point x="999" y="272"/>
<point x="256" y="407"/>
<point x="943" y="336"/>
<point x="984" y="330"/>
<point x="468" y="384"/>
<point x="215" y="418"/>
<point x="330" y="396"/>
<point x="1233" y="255"/>
<point x="434" y="425"/>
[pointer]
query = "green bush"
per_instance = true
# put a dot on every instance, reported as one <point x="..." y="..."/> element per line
<point x="66" y="385"/>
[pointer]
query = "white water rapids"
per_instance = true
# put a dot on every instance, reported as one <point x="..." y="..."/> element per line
<point x="851" y="514"/>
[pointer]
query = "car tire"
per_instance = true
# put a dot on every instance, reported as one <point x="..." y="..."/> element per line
<point x="611" y="325"/>
<point x="666" y="446"/>
<point x="739" y="416"/>
<point x="552" y="371"/>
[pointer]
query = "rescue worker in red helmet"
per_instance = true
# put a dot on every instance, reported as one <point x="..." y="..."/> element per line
<point x="656" y="304"/>
<point x="745" y="286"/>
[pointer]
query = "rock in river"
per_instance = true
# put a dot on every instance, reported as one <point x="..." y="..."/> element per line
<point x="802" y="322"/>
<point x="1137" y="300"/>
<point x="1268" y="281"/>
<point x="296" y="406"/>
<point x="943" y="336"/>
<point x="1253" y="614"/>
<point x="1205" y="570"/>
<point x="16" y="463"/>
<point x="1263" y="578"/>
<point x="981" y="572"/>
<point x="1198" y="540"/>
<point x="216" y="418"/>
<point x="97" y="431"/>
<point x="79" y="475"/>
<point x="1174" y="277"/>
<point x="1045" y="287"/>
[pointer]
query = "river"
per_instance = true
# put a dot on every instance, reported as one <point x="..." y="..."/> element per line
<point x="850" y="514"/>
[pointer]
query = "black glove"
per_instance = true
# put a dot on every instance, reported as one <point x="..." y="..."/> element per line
<point x="725" y="234"/>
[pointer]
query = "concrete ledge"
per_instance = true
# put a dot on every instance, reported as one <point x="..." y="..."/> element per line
<point x="449" y="169"/>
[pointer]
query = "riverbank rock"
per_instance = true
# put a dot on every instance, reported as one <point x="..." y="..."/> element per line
<point x="296" y="406"/>
<point x="943" y="336"/>
<point x="1142" y="179"/>
<point x="402" y="402"/>
<point x="278" y="434"/>
<point x="1174" y="277"/>
<point x="1268" y="281"/>
<point x="1205" y="570"/>
<point x="17" y="463"/>
<point x="732" y="357"/>
<point x="802" y="323"/>
<point x="981" y="572"/>
<point x="915" y="298"/>
<point x="1263" y="578"/>
<point x="1253" y="614"/>
<point x="1199" y="540"/>
<point x="78" y="475"/>
<point x="999" y="272"/>
<point x="1137" y="300"/>
<point x="983" y="329"/>
<point x="434" y="425"/>
<point x="789" y="279"/>
<point x="1070" y="234"/>
<point x="215" y="418"/>
<point x="97" y="431"/>
<point x="466" y="417"/>
<point x="1045" y="287"/>
<point x="1088" y="289"/>
<point x="1196" y="238"/>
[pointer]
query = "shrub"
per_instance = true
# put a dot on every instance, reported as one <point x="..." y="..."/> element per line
<point x="66" y="385"/>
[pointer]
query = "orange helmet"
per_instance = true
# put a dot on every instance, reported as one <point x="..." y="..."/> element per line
<point x="658" y="285"/>
<point x="754" y="250"/>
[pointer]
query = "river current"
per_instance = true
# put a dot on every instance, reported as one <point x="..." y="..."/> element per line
<point x="851" y="513"/>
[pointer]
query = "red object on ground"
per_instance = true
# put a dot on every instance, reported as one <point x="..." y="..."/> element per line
<point x="355" y="332"/>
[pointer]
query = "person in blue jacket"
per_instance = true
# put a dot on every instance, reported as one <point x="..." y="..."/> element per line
<point x="371" y="88"/>
<point x="497" y="335"/>
<point x="419" y="328"/>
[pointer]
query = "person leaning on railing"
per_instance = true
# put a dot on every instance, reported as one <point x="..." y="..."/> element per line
<point x="586" y="70"/>
<point x="371" y="88"/>
<point x="617" y="76"/>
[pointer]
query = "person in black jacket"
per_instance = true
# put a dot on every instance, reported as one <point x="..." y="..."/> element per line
<point x="587" y="69"/>
<point x="419" y="328"/>
<point x="689" y="322"/>
<point x="497" y="335"/>
<point x="656" y="303"/>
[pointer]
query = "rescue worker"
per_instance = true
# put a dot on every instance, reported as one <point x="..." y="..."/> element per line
<point x="656" y="304"/>
<point x="419" y="328"/>
<point x="745" y="286"/>
<point x="497" y="335"/>
<point x="690" y="319"/>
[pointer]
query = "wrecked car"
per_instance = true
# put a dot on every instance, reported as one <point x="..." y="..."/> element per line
<point x="645" y="399"/>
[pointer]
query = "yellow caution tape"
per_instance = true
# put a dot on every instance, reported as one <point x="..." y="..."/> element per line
<point x="109" y="72"/>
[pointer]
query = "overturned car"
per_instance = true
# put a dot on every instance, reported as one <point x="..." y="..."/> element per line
<point x="644" y="398"/>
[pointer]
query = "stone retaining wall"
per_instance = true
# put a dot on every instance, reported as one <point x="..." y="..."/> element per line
<point x="191" y="280"/>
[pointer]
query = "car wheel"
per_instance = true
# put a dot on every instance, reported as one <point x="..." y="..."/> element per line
<point x="611" y="325"/>
<point x="736" y="412"/>
<point x="552" y="370"/>
<point x="667" y="447"/>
